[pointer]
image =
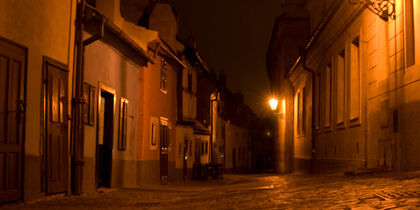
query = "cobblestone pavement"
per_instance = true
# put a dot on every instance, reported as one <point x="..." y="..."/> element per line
<point x="264" y="191"/>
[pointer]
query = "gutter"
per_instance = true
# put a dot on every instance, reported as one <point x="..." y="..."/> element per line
<point x="315" y="36"/>
<point x="121" y="34"/>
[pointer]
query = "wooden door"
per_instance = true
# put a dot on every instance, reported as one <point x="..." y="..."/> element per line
<point x="234" y="158"/>
<point x="164" y="141"/>
<point x="185" y="158"/>
<point x="12" y="119"/>
<point x="56" y="139"/>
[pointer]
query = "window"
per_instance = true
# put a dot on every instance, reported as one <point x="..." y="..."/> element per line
<point x="303" y="110"/>
<point x="354" y="80"/>
<point x="190" y="88"/>
<point x="190" y="148"/>
<point x="327" y="80"/>
<point x="317" y="101"/>
<point x="122" y="128"/>
<point x="163" y="76"/>
<point x="340" y="84"/>
<point x="154" y="125"/>
<point x="88" y="107"/>
<point x="207" y="147"/>
<point x="299" y="112"/>
<point x="409" y="27"/>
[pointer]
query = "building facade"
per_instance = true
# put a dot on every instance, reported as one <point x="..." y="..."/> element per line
<point x="351" y="85"/>
<point x="27" y="52"/>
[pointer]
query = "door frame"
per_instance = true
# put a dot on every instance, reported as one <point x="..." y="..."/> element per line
<point x="25" y="81"/>
<point x="110" y="90"/>
<point x="45" y="61"/>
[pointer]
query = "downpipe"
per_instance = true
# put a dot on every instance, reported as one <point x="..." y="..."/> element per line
<point x="77" y="131"/>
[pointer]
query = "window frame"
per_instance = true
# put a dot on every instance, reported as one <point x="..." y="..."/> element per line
<point x="123" y="124"/>
<point x="164" y="76"/>
<point x="154" y="133"/>
<point x="89" y="105"/>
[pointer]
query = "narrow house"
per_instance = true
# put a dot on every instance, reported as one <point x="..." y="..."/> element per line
<point x="158" y="90"/>
<point x="36" y="66"/>
<point x="112" y="68"/>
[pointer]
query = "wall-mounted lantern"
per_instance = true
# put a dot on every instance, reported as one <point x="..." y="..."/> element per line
<point x="273" y="104"/>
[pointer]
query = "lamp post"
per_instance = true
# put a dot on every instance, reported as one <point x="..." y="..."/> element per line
<point x="279" y="133"/>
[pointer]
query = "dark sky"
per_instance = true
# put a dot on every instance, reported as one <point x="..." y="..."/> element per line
<point x="233" y="36"/>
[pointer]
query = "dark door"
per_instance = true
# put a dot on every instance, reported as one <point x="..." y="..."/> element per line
<point x="164" y="141"/>
<point x="234" y="158"/>
<point x="12" y="120"/>
<point x="105" y="137"/>
<point x="185" y="166"/>
<point x="56" y="152"/>
<point x="197" y="151"/>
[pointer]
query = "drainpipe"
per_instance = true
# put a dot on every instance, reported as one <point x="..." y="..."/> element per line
<point x="77" y="130"/>
<point x="302" y="58"/>
<point x="313" y="75"/>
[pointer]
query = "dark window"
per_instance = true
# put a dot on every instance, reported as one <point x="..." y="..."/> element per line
<point x="409" y="21"/>
<point x="88" y="107"/>
<point x="190" y="82"/>
<point x="207" y="147"/>
<point x="223" y="132"/>
<point x="122" y="131"/>
<point x="303" y="110"/>
<point x="190" y="148"/>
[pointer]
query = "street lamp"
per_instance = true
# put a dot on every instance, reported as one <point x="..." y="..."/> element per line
<point x="273" y="104"/>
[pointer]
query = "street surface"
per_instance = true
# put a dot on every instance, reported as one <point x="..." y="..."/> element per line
<point x="387" y="190"/>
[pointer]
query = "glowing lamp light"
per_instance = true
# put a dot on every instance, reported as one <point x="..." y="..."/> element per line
<point x="273" y="104"/>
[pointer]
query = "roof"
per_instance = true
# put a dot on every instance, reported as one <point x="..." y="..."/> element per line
<point x="130" y="41"/>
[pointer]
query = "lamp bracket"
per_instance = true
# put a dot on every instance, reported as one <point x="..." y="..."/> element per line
<point x="385" y="9"/>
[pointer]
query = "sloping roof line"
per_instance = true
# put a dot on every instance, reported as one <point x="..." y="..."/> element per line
<point x="123" y="35"/>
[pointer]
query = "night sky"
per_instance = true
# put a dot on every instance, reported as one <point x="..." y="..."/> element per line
<point x="233" y="36"/>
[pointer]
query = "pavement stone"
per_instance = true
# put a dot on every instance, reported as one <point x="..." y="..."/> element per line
<point x="390" y="190"/>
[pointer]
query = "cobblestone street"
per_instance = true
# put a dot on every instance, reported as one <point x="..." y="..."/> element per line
<point x="266" y="191"/>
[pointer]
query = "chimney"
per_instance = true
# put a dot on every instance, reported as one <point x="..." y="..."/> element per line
<point x="163" y="20"/>
<point x="111" y="10"/>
